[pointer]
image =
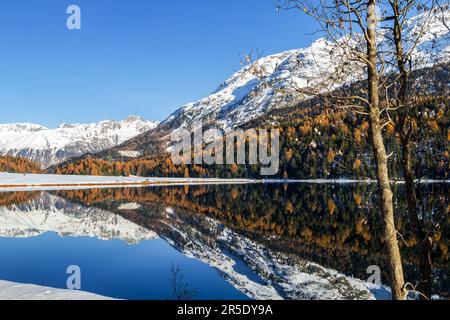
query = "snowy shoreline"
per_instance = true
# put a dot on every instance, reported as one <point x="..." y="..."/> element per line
<point x="23" y="182"/>
<point x="21" y="291"/>
<point x="351" y="181"/>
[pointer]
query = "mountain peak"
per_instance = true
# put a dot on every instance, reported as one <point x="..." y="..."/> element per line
<point x="245" y="96"/>
<point x="132" y="118"/>
<point x="20" y="127"/>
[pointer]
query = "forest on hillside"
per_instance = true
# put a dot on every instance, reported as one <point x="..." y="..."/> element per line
<point x="18" y="165"/>
<point x="315" y="143"/>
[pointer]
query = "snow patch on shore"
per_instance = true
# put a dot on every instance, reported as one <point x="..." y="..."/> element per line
<point x="21" y="291"/>
<point x="23" y="182"/>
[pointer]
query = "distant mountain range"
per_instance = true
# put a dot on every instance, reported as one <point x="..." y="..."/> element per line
<point x="52" y="146"/>
<point x="247" y="95"/>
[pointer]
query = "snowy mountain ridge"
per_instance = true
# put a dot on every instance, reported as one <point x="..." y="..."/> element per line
<point x="52" y="146"/>
<point x="272" y="82"/>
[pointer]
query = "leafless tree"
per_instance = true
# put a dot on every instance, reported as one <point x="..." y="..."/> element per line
<point x="353" y="28"/>
<point x="399" y="98"/>
<point x="180" y="289"/>
<point x="443" y="6"/>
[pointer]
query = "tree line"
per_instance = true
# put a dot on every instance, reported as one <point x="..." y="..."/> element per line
<point x="18" y="165"/>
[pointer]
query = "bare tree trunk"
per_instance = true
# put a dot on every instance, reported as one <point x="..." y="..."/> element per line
<point x="338" y="18"/>
<point x="387" y="208"/>
<point x="424" y="242"/>
<point x="384" y="188"/>
<point x="405" y="130"/>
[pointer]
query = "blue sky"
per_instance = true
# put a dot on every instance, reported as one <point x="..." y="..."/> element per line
<point x="142" y="57"/>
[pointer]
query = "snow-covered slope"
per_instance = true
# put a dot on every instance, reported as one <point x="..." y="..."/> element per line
<point x="271" y="81"/>
<point x="52" y="214"/>
<point x="20" y="291"/>
<point x="51" y="146"/>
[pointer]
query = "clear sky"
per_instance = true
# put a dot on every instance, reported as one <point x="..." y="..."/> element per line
<point x="140" y="57"/>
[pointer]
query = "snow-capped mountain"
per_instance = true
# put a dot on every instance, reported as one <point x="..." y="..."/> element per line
<point x="52" y="146"/>
<point x="53" y="214"/>
<point x="272" y="82"/>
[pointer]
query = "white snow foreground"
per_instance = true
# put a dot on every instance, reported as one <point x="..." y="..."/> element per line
<point x="20" y="291"/>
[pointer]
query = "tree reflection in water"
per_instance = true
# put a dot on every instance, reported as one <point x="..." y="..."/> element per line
<point x="334" y="225"/>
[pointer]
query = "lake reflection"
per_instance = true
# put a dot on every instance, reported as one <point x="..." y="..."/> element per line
<point x="230" y="242"/>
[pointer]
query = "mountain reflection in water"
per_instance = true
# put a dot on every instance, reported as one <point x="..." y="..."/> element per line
<point x="268" y="241"/>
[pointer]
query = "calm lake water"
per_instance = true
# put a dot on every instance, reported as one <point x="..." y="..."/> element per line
<point x="212" y="242"/>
